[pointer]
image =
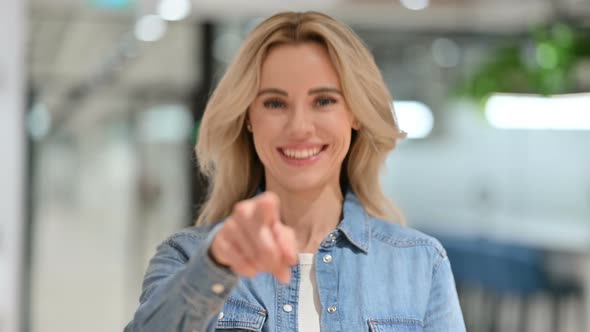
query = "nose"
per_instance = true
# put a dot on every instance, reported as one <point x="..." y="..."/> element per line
<point x="300" y="123"/>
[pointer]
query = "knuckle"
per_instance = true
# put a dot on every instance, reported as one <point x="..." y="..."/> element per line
<point x="272" y="197"/>
<point x="237" y="211"/>
<point x="247" y="252"/>
<point x="219" y="249"/>
<point x="218" y="242"/>
<point x="240" y="209"/>
<point x="270" y="201"/>
<point x="264" y="245"/>
<point x="247" y="271"/>
<point x="270" y="254"/>
<point x="230" y="227"/>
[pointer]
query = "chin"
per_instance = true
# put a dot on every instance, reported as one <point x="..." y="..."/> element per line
<point x="307" y="182"/>
<point x="302" y="183"/>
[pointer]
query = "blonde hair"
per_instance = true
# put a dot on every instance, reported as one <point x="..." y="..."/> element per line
<point x="225" y="150"/>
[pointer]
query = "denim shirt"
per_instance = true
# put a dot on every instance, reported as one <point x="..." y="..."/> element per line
<point x="372" y="275"/>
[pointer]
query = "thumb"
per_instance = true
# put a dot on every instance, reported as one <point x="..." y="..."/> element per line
<point x="285" y="238"/>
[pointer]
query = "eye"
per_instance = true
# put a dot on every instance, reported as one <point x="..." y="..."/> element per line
<point x="273" y="103"/>
<point x="325" y="101"/>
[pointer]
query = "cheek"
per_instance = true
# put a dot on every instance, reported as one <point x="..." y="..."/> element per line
<point x="265" y="124"/>
<point x="263" y="143"/>
<point x="340" y="139"/>
<point x="341" y="129"/>
<point x="260" y="142"/>
<point x="345" y="146"/>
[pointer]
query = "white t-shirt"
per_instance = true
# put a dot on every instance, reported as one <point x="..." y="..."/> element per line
<point x="310" y="306"/>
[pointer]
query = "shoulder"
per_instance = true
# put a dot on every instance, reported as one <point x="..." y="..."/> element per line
<point x="399" y="236"/>
<point x="191" y="233"/>
<point x="188" y="239"/>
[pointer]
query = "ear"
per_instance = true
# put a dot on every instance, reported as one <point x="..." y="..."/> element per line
<point x="355" y="124"/>
<point x="247" y="123"/>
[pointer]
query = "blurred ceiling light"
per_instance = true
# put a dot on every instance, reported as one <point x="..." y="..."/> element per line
<point x="445" y="52"/>
<point x="150" y="28"/>
<point x="415" y="4"/>
<point x="561" y="112"/>
<point x="414" y="117"/>
<point x="174" y="10"/>
<point x="39" y="121"/>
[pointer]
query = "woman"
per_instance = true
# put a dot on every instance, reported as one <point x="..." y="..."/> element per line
<point x="296" y="233"/>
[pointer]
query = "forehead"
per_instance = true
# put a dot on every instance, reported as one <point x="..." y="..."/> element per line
<point x="298" y="65"/>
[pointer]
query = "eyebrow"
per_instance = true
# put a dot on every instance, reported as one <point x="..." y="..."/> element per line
<point x="323" y="90"/>
<point x="310" y="92"/>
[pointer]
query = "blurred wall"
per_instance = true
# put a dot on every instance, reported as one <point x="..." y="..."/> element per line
<point x="12" y="150"/>
<point x="525" y="185"/>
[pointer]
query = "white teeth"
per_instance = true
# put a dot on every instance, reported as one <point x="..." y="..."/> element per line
<point x="301" y="154"/>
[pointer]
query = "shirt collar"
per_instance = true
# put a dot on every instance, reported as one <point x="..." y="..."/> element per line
<point x="355" y="224"/>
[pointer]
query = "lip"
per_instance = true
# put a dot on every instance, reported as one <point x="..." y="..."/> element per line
<point x="302" y="162"/>
<point x="301" y="146"/>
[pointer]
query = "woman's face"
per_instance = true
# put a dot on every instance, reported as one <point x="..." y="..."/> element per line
<point x="300" y="121"/>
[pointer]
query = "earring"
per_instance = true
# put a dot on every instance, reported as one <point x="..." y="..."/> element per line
<point x="249" y="127"/>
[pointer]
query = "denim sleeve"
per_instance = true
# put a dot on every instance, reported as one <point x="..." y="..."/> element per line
<point x="444" y="312"/>
<point x="182" y="294"/>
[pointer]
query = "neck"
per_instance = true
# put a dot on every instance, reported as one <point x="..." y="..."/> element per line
<point x="312" y="214"/>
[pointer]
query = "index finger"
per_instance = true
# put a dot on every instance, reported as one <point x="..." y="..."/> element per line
<point x="267" y="208"/>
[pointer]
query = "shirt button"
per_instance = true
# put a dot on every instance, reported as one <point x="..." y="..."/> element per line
<point x="332" y="238"/>
<point x="327" y="258"/>
<point x="288" y="308"/>
<point x="331" y="309"/>
<point x="217" y="288"/>
<point x="220" y="315"/>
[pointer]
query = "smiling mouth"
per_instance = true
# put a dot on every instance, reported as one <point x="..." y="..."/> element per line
<point x="302" y="154"/>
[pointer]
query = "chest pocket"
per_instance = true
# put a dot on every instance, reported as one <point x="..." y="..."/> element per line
<point x="239" y="315"/>
<point x="395" y="325"/>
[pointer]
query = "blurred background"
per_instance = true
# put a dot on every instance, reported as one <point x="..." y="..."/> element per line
<point x="101" y="99"/>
